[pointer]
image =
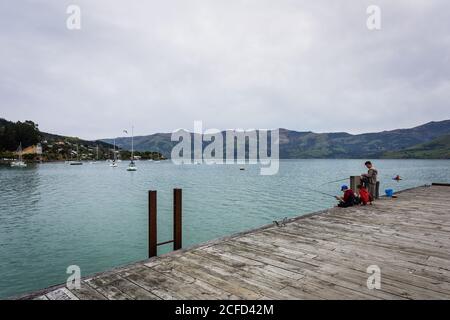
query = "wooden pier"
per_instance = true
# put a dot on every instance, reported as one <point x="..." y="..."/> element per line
<point x="324" y="255"/>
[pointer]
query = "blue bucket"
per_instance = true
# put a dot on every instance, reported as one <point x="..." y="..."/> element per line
<point x="389" y="192"/>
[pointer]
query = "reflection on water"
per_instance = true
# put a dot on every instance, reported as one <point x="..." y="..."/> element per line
<point x="94" y="216"/>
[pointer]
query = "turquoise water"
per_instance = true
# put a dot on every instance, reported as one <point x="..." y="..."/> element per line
<point x="94" y="216"/>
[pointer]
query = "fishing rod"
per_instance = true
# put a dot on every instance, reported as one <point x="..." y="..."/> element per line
<point x="343" y="179"/>
<point x="283" y="222"/>
<point x="324" y="193"/>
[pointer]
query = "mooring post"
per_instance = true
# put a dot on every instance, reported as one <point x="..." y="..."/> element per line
<point x="354" y="182"/>
<point x="177" y="220"/>
<point x="152" y="231"/>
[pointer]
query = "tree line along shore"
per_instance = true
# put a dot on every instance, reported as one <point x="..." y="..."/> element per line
<point x="40" y="146"/>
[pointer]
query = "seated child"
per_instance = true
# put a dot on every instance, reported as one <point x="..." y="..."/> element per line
<point x="348" y="199"/>
<point x="364" y="195"/>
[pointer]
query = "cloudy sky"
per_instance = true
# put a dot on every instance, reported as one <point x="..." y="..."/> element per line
<point x="160" y="65"/>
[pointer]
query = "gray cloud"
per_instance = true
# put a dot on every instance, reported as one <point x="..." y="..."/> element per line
<point x="305" y="65"/>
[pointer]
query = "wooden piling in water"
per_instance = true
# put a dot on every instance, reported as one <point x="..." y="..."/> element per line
<point x="152" y="224"/>
<point x="177" y="219"/>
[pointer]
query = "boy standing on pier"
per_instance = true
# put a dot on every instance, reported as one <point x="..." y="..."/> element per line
<point x="370" y="178"/>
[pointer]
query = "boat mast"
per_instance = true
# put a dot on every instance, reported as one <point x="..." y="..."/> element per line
<point x="114" y="150"/>
<point x="132" y="143"/>
<point x="20" y="152"/>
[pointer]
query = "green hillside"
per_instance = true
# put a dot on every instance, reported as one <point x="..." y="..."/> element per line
<point x="369" y="145"/>
<point x="57" y="147"/>
<point x="436" y="149"/>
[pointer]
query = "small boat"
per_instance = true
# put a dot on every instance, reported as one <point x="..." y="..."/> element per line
<point x="114" y="164"/>
<point x="95" y="161"/>
<point x="19" y="163"/>
<point x="242" y="168"/>
<point x="132" y="165"/>
<point x="77" y="162"/>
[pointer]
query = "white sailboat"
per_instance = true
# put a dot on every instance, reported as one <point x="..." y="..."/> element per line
<point x="78" y="162"/>
<point x="19" y="163"/>
<point x="114" y="163"/>
<point x="95" y="161"/>
<point x="132" y="165"/>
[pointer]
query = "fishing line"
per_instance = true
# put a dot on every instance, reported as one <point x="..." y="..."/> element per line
<point x="324" y="193"/>
<point x="344" y="179"/>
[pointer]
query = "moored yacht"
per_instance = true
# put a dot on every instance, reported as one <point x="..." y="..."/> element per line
<point x="114" y="164"/>
<point x="77" y="162"/>
<point x="132" y="165"/>
<point x="19" y="163"/>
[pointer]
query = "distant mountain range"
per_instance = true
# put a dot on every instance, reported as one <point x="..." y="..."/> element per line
<point x="428" y="141"/>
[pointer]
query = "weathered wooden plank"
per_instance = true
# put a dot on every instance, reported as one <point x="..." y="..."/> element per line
<point x="238" y="278"/>
<point x="251" y="267"/>
<point x="301" y="269"/>
<point x="159" y="285"/>
<point x="358" y="239"/>
<point x="86" y="292"/>
<point x="250" y="252"/>
<point x="284" y="277"/>
<point x="210" y="277"/>
<point x="115" y="287"/>
<point x="400" y="273"/>
<point x="207" y="291"/>
<point x="61" y="294"/>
